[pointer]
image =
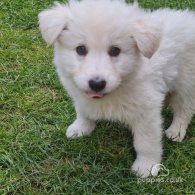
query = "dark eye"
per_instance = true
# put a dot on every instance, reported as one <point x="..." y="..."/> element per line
<point x="81" y="50"/>
<point x="114" y="51"/>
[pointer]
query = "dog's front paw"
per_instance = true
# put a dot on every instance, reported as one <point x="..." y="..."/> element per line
<point x="175" y="133"/>
<point x="80" y="128"/>
<point x="144" y="167"/>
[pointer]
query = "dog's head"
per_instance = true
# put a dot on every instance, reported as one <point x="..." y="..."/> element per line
<point x="98" y="44"/>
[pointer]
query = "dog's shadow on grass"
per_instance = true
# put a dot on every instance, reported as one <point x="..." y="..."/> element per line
<point x="110" y="140"/>
<point x="110" y="143"/>
<point x="167" y="117"/>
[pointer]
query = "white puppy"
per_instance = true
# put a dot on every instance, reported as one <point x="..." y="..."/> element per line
<point x="118" y="62"/>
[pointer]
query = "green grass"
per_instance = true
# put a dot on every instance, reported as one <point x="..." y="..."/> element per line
<point x="35" y="156"/>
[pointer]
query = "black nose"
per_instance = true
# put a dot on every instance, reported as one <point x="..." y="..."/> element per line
<point x="97" y="84"/>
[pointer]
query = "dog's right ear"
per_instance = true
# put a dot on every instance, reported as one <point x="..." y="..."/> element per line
<point x="53" y="21"/>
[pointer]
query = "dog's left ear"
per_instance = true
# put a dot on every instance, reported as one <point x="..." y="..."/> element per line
<point x="53" y="21"/>
<point x="147" y="37"/>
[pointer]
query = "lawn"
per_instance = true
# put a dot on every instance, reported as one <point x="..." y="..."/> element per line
<point x="35" y="156"/>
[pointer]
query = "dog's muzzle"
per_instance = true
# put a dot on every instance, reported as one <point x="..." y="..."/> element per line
<point x="96" y="85"/>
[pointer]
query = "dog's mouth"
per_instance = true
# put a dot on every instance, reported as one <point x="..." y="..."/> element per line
<point x="96" y="95"/>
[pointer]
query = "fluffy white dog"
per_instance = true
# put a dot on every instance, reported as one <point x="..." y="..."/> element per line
<point x="118" y="62"/>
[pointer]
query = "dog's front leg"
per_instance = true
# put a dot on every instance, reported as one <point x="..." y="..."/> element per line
<point x="82" y="126"/>
<point x="147" y="143"/>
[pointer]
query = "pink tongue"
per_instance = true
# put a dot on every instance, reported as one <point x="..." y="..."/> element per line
<point x="95" y="94"/>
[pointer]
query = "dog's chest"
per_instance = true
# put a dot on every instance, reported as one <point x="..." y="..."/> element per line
<point x="124" y="109"/>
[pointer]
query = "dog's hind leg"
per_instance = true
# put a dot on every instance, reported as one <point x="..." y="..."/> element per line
<point x="182" y="114"/>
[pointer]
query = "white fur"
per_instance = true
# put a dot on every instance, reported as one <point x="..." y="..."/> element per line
<point x="157" y="57"/>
